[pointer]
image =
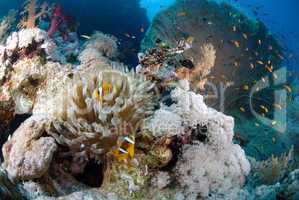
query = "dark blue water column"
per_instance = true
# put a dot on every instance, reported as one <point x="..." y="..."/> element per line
<point x="122" y="18"/>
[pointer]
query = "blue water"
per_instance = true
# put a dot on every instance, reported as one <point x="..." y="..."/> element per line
<point x="281" y="17"/>
<point x="119" y="17"/>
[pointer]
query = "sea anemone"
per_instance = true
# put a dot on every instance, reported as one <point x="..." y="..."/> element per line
<point x="99" y="110"/>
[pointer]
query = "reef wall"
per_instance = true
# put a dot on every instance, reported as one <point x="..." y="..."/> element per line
<point x="247" y="58"/>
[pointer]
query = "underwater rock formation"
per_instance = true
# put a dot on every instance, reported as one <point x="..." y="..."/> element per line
<point x="213" y="164"/>
<point x="28" y="154"/>
<point x="95" y="114"/>
<point x="98" y="50"/>
<point x="245" y="49"/>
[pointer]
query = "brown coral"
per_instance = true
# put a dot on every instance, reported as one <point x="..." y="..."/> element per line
<point x="271" y="170"/>
<point x="197" y="75"/>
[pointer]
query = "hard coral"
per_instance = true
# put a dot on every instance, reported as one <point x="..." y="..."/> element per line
<point x="105" y="44"/>
<point x="27" y="155"/>
<point x="98" y="49"/>
<point x="211" y="163"/>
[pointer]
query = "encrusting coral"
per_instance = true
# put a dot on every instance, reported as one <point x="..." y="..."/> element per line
<point x="28" y="154"/>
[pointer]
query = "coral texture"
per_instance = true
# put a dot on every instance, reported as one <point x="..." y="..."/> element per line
<point x="96" y="124"/>
<point x="213" y="163"/>
<point x="28" y="154"/>
<point x="31" y="16"/>
<point x="197" y="76"/>
<point x="97" y="50"/>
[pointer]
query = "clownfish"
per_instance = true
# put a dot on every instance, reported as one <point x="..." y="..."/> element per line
<point x="102" y="90"/>
<point x="125" y="148"/>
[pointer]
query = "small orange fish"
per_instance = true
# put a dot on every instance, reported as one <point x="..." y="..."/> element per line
<point x="103" y="90"/>
<point x="269" y="68"/>
<point x="246" y="87"/>
<point x="264" y="108"/>
<point x="242" y="109"/>
<point x="125" y="148"/>
<point x="277" y="106"/>
<point x="260" y="62"/>
<point x="190" y="40"/>
<point x="236" y="43"/>
<point x="181" y="14"/>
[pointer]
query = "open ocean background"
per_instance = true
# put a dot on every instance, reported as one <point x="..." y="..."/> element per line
<point x="119" y="17"/>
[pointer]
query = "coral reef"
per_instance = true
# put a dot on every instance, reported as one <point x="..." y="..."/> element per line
<point x="96" y="51"/>
<point x="273" y="169"/>
<point x="59" y="22"/>
<point x="6" y="24"/>
<point x="245" y="50"/>
<point x="99" y="110"/>
<point x="201" y="70"/>
<point x="28" y="154"/>
<point x="213" y="164"/>
<point x="98" y="130"/>
<point x="31" y="15"/>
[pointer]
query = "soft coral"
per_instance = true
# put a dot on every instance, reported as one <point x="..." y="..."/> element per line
<point x="57" y="22"/>
<point x="29" y="21"/>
